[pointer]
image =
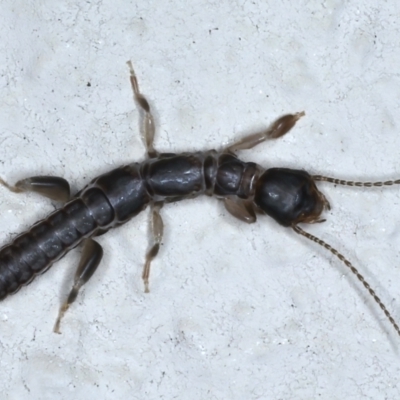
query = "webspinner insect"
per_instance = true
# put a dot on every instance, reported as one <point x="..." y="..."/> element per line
<point x="289" y="196"/>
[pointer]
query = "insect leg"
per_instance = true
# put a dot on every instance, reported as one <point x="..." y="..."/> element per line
<point x="281" y="126"/>
<point x="52" y="187"/>
<point x="92" y="254"/>
<point x="240" y="209"/>
<point x="157" y="228"/>
<point x="148" y="128"/>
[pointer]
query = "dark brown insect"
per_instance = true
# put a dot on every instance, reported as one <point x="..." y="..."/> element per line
<point x="289" y="196"/>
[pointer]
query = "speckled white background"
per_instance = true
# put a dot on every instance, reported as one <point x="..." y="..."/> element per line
<point x="235" y="311"/>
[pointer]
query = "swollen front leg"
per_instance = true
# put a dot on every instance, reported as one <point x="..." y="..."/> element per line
<point x="157" y="229"/>
<point x="280" y="127"/>
<point x="241" y="209"/>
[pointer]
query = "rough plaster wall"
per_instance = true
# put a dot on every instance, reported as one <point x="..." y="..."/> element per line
<point x="235" y="311"/>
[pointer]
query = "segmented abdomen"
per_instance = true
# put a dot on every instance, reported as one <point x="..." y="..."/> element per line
<point x="113" y="199"/>
<point x="108" y="201"/>
<point x="34" y="251"/>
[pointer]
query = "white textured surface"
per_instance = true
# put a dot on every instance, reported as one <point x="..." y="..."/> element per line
<point x="235" y="311"/>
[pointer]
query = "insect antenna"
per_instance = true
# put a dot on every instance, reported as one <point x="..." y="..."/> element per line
<point x="353" y="183"/>
<point x="352" y="268"/>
